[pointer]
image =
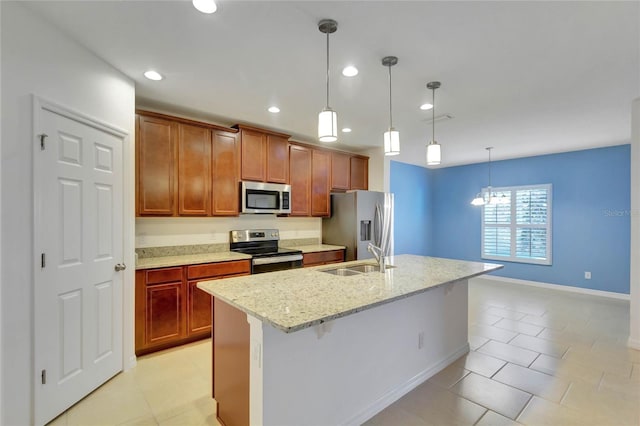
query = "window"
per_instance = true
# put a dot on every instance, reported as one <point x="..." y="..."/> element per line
<point x="516" y="224"/>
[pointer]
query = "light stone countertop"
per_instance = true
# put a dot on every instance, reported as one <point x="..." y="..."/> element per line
<point x="189" y="259"/>
<point x="313" y="248"/>
<point x="300" y="298"/>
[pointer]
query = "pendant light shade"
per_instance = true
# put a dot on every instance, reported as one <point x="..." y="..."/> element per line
<point x="391" y="136"/>
<point x="328" y="118"/>
<point x="327" y="125"/>
<point x="434" y="154"/>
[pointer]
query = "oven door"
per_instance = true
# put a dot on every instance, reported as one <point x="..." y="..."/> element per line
<point x="275" y="263"/>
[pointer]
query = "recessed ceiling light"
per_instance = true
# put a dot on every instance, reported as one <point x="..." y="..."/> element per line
<point x="205" y="6"/>
<point x="426" y="107"/>
<point x="350" y="71"/>
<point x="273" y="109"/>
<point x="346" y="130"/>
<point x="153" y="75"/>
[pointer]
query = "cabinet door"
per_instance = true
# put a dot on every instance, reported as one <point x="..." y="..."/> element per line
<point x="194" y="171"/>
<point x="157" y="166"/>
<point x="300" y="172"/>
<point x="198" y="310"/>
<point x="224" y="176"/>
<point x="359" y="173"/>
<point x="277" y="159"/>
<point x="254" y="155"/>
<point x="165" y="313"/>
<point x="340" y="171"/>
<point x="320" y="164"/>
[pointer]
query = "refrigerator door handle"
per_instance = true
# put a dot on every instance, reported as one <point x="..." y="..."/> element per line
<point x="377" y="225"/>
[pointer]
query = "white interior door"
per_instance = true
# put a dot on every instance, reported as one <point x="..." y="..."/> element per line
<point x="78" y="187"/>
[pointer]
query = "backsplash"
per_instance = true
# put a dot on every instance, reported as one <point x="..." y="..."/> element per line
<point x="213" y="232"/>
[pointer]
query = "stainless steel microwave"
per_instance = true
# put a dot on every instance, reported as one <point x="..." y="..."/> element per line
<point x="259" y="197"/>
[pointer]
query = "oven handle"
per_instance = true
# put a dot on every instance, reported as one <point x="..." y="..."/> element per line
<point x="276" y="259"/>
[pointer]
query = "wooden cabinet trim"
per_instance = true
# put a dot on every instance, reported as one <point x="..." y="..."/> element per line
<point x="164" y="275"/>
<point x="241" y="127"/>
<point x="218" y="269"/>
<point x="323" y="257"/>
<point x="185" y="120"/>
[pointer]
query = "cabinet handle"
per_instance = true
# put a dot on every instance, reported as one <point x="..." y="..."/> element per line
<point x="120" y="267"/>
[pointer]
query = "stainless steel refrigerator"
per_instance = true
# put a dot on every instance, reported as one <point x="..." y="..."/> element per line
<point x="357" y="219"/>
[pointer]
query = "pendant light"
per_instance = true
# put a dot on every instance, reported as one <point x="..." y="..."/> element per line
<point x="488" y="197"/>
<point x="434" y="155"/>
<point x="391" y="136"/>
<point x="327" y="119"/>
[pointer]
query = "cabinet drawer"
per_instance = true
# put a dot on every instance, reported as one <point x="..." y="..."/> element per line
<point x="323" y="257"/>
<point x="209" y="270"/>
<point x="157" y="276"/>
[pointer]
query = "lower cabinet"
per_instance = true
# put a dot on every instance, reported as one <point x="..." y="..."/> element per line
<point x="322" y="258"/>
<point x="171" y="309"/>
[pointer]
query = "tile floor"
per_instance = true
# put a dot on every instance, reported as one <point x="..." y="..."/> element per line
<point x="539" y="357"/>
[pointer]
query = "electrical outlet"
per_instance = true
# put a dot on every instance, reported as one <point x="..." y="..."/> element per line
<point x="587" y="275"/>
<point x="421" y="340"/>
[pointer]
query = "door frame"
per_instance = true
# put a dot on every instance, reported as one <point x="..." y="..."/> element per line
<point x="128" y="224"/>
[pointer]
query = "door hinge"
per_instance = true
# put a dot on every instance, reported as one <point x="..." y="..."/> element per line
<point x="42" y="136"/>
<point x="43" y="261"/>
<point x="43" y="377"/>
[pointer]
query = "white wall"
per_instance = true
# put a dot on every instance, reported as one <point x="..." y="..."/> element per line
<point x="634" y="285"/>
<point x="38" y="59"/>
<point x="177" y="231"/>
<point x="377" y="169"/>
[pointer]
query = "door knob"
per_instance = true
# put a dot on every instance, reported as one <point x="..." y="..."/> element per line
<point x="120" y="267"/>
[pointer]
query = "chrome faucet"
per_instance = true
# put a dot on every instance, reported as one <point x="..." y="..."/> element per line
<point x="377" y="253"/>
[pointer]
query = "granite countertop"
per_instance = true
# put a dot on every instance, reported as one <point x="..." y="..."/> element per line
<point x="299" y="298"/>
<point x="189" y="259"/>
<point x="312" y="248"/>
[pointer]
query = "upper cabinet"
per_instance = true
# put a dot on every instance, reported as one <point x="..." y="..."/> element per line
<point x="156" y="166"/>
<point x="320" y="199"/>
<point x="300" y="172"/>
<point x="225" y="174"/>
<point x="265" y="155"/>
<point x="359" y="172"/>
<point x="340" y="171"/>
<point x="194" y="170"/>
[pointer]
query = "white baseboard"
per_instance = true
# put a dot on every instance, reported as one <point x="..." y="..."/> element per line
<point x="633" y="343"/>
<point x="395" y="394"/>
<point x="571" y="289"/>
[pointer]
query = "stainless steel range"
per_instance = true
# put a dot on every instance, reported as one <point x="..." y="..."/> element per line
<point x="262" y="245"/>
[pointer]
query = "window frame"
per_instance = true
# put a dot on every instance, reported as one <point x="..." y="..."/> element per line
<point x="513" y="225"/>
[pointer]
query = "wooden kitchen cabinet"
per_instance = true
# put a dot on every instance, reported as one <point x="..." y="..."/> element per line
<point x="225" y="172"/>
<point x="359" y="172"/>
<point x="322" y="258"/>
<point x="320" y="169"/>
<point x="265" y="155"/>
<point x="156" y="166"/>
<point x="340" y="171"/>
<point x="300" y="174"/>
<point x="170" y="309"/>
<point x="194" y="170"/>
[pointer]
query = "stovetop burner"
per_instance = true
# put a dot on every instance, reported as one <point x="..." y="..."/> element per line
<point x="259" y="243"/>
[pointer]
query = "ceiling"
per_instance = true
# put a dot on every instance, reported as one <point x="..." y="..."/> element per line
<point x="527" y="78"/>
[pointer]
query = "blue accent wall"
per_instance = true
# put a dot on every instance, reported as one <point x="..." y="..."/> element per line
<point x="591" y="214"/>
<point x="412" y="216"/>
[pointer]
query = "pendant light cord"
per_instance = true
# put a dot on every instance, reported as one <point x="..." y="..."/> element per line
<point x="390" y="109"/>
<point x="433" y="115"/>
<point x="327" y="70"/>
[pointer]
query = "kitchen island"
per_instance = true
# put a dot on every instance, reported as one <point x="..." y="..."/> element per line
<point x="330" y="345"/>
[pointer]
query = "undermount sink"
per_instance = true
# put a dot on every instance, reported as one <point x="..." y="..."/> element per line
<point x="355" y="270"/>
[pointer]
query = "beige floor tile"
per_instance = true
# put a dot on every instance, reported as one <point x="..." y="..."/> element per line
<point x="615" y="351"/>
<point x="626" y="386"/>
<point x="394" y="415"/>
<point x="61" y="420"/>
<point x="476" y="341"/>
<point x="492" y="418"/>
<point x="546" y="322"/>
<point x="531" y="381"/>
<point x="568" y="338"/>
<point x="506" y="313"/>
<point x="437" y="406"/>
<point x="540" y="412"/>
<point x="449" y="376"/>
<point x="509" y="353"/>
<point x="635" y="375"/>
<point x="519" y="327"/>
<point x="176" y="397"/>
<point x="609" y="405"/>
<point x="599" y="361"/>
<point x="494" y="395"/>
<point x="479" y="363"/>
<point x="113" y="407"/>
<point x="566" y="369"/>
<point x="493" y="333"/>
<point x="142" y="421"/>
<point x="484" y="318"/>
<point x="548" y="347"/>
